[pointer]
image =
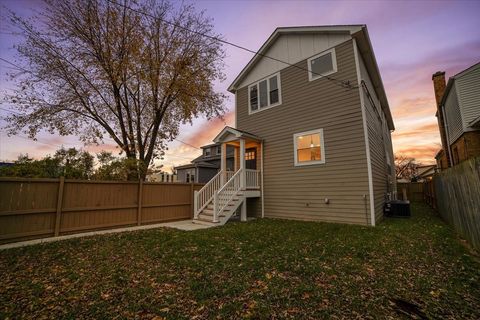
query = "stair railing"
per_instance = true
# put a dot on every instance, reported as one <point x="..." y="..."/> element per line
<point x="226" y="193"/>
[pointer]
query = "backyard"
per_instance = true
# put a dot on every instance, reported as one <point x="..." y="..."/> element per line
<point x="403" y="268"/>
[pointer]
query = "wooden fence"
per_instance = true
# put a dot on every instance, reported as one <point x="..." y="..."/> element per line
<point x="457" y="193"/>
<point x="414" y="191"/>
<point x="37" y="208"/>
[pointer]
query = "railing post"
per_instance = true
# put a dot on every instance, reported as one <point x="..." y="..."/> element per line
<point x="242" y="164"/>
<point x="195" y="204"/>
<point x="215" y="207"/>
<point x="58" y="215"/>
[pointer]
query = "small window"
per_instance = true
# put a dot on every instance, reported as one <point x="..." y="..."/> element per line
<point x="219" y="149"/>
<point x="250" y="155"/>
<point x="253" y="98"/>
<point x="264" y="94"/>
<point x="322" y="65"/>
<point x="206" y="152"/>
<point x="309" y="147"/>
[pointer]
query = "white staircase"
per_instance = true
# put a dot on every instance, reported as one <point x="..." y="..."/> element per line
<point x="220" y="198"/>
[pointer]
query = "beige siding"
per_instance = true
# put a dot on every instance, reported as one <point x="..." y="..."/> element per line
<point x="299" y="192"/>
<point x="380" y="144"/>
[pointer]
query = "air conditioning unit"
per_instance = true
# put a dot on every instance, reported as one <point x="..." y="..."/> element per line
<point x="397" y="209"/>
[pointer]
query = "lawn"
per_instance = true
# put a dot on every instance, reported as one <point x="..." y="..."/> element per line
<point x="402" y="268"/>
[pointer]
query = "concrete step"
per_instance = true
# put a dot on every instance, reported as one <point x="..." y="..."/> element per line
<point x="207" y="222"/>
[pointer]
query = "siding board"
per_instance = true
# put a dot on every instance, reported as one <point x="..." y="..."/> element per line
<point x="299" y="192"/>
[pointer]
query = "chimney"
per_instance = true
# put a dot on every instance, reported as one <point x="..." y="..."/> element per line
<point x="439" y="86"/>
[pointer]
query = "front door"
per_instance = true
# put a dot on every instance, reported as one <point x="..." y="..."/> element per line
<point x="251" y="158"/>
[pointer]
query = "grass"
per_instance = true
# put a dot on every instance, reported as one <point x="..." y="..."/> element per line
<point x="402" y="268"/>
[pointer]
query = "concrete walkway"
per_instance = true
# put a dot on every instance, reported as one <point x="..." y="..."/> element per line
<point x="186" y="225"/>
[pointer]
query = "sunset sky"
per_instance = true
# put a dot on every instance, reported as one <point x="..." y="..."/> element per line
<point x="411" y="40"/>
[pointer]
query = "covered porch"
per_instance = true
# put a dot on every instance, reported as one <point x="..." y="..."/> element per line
<point x="230" y="188"/>
<point x="247" y="157"/>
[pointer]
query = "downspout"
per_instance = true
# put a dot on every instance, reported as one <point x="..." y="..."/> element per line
<point x="445" y="123"/>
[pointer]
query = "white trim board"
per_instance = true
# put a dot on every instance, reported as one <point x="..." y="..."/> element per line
<point x="365" y="131"/>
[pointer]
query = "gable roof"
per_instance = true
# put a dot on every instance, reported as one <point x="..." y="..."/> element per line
<point x="235" y="132"/>
<point x="287" y="30"/>
<point x="357" y="32"/>
<point x="452" y="79"/>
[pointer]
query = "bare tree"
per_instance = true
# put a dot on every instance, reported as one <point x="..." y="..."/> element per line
<point x="132" y="72"/>
<point x="405" y="167"/>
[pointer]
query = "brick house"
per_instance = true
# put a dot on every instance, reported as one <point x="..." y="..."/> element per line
<point x="458" y="115"/>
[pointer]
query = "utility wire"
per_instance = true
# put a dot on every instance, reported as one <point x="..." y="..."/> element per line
<point x="343" y="83"/>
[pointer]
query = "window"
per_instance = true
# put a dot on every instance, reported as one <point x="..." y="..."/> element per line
<point x="264" y="94"/>
<point x="309" y="148"/>
<point x="322" y="65"/>
<point x="250" y="155"/>
<point x="219" y="149"/>
<point x="206" y="152"/>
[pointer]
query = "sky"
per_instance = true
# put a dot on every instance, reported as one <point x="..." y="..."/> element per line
<point x="411" y="41"/>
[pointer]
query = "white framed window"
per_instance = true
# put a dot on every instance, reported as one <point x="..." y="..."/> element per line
<point x="264" y="94"/>
<point x="309" y="148"/>
<point x="322" y="65"/>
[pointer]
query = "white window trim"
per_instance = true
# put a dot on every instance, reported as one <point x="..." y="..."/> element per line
<point x="311" y="76"/>
<point x="250" y="111"/>
<point x="322" y="148"/>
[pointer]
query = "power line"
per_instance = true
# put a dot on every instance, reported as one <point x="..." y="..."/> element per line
<point x="343" y="83"/>
<point x="186" y="143"/>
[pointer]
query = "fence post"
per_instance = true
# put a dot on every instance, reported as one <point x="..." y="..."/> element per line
<point x="58" y="215"/>
<point x="139" y="202"/>
<point x="192" y="200"/>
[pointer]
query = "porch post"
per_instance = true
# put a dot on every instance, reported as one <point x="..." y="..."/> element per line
<point x="235" y="159"/>
<point x="242" y="164"/>
<point x="223" y="163"/>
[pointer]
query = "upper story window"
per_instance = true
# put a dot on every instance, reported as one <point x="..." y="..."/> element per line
<point x="309" y="147"/>
<point x="219" y="149"/>
<point x="207" y="152"/>
<point x="264" y="94"/>
<point x="322" y="65"/>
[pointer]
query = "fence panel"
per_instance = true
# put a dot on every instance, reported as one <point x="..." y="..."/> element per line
<point x="36" y="208"/>
<point x="414" y="191"/>
<point x="457" y="193"/>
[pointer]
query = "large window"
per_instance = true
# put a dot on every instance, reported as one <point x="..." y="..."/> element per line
<point x="309" y="148"/>
<point x="264" y="94"/>
<point x="322" y="65"/>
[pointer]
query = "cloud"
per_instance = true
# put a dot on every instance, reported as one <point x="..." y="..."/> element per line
<point x="422" y="153"/>
<point x="209" y="129"/>
<point x="417" y="132"/>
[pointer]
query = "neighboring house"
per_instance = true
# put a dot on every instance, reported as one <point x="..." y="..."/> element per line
<point x="426" y="172"/>
<point x="205" y="167"/>
<point x="162" y="177"/>
<point x="312" y="132"/>
<point x="6" y="164"/>
<point x="458" y="114"/>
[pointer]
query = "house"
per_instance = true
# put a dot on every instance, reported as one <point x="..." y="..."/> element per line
<point x="162" y="177"/>
<point x="458" y="115"/>
<point x="425" y="172"/>
<point x="312" y="133"/>
<point x="203" y="168"/>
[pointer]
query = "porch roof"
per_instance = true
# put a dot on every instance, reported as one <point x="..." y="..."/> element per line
<point x="228" y="133"/>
